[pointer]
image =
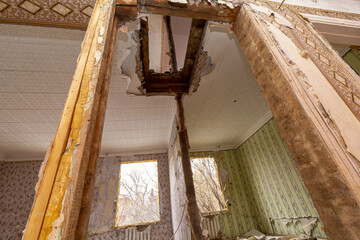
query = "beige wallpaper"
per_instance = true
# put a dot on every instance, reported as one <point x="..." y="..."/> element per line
<point x="17" y="183"/>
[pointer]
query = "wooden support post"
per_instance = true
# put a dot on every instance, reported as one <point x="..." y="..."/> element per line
<point x="57" y="202"/>
<point x="167" y="21"/>
<point x="193" y="210"/>
<point x="297" y="69"/>
<point x="84" y="216"/>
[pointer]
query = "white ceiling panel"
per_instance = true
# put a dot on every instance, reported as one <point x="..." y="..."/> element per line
<point x="36" y="68"/>
<point x="228" y="106"/>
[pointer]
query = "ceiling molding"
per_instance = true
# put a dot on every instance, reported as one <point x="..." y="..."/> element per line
<point x="137" y="152"/>
<point x="336" y="30"/>
<point x="252" y="130"/>
<point x="223" y="148"/>
<point x="23" y="159"/>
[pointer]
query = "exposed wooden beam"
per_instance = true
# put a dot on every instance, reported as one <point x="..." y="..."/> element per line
<point x="144" y="47"/>
<point x="323" y="159"/>
<point x="203" y="10"/>
<point x="165" y="84"/>
<point x="57" y="202"/>
<point x="192" y="208"/>
<point x="126" y="10"/>
<point x="167" y="21"/>
<point x="83" y="221"/>
<point x="194" y="44"/>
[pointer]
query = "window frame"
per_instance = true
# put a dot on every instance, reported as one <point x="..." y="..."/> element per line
<point x="118" y="193"/>
<point x="220" y="186"/>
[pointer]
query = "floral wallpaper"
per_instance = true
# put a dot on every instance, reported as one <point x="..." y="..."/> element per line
<point x="265" y="190"/>
<point x="102" y="219"/>
<point x="17" y="183"/>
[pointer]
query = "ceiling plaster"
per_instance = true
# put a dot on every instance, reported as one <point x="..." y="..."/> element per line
<point x="228" y="107"/>
<point x="36" y="70"/>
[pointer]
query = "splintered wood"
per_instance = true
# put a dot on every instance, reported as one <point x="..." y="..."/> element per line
<point x="57" y="202"/>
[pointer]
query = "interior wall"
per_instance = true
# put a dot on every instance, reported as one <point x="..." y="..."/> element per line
<point x="352" y="57"/>
<point x="17" y="184"/>
<point x="103" y="211"/>
<point x="264" y="185"/>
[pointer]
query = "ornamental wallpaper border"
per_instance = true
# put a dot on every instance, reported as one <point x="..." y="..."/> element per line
<point x="306" y="39"/>
<point x="74" y="13"/>
<point x="77" y="13"/>
<point x="324" y="12"/>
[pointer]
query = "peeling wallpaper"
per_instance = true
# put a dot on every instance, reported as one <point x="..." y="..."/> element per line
<point x="17" y="184"/>
<point x="265" y="184"/>
<point x="102" y="218"/>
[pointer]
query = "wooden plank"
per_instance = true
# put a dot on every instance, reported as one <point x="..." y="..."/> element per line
<point x="197" y="31"/>
<point x="44" y="24"/>
<point x="323" y="160"/>
<point x="192" y="208"/>
<point x="167" y="21"/>
<point x="84" y="215"/>
<point x="202" y="10"/>
<point x="165" y="84"/>
<point x="144" y="46"/>
<point x="42" y="208"/>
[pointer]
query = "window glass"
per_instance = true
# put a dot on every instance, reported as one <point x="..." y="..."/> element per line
<point x="138" y="198"/>
<point x="207" y="187"/>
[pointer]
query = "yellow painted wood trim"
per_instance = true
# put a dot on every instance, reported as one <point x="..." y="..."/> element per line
<point x="42" y="197"/>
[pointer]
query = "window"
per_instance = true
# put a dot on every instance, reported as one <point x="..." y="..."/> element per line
<point x="207" y="187"/>
<point x="138" y="197"/>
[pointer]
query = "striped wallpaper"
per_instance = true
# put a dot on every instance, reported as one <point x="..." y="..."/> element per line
<point x="266" y="187"/>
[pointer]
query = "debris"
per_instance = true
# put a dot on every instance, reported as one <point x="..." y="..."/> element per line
<point x="255" y="233"/>
<point x="308" y="224"/>
<point x="123" y="28"/>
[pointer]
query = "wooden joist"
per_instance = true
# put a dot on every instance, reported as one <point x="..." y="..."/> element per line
<point x="203" y="10"/>
<point x="167" y="20"/>
<point x="57" y="202"/>
<point x="197" y="31"/>
<point x="174" y="82"/>
<point x="164" y="84"/>
<point x="144" y="47"/>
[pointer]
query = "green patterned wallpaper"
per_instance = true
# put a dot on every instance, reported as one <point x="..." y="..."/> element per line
<point x="265" y="184"/>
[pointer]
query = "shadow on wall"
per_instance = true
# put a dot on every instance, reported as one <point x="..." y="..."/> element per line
<point x="266" y="191"/>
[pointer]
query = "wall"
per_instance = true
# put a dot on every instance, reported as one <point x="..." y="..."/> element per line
<point x="17" y="183"/>
<point x="352" y="57"/>
<point x="265" y="184"/>
<point x="102" y="218"/>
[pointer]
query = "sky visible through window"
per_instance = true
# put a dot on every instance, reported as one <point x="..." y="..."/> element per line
<point x="138" y="199"/>
<point x="207" y="187"/>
